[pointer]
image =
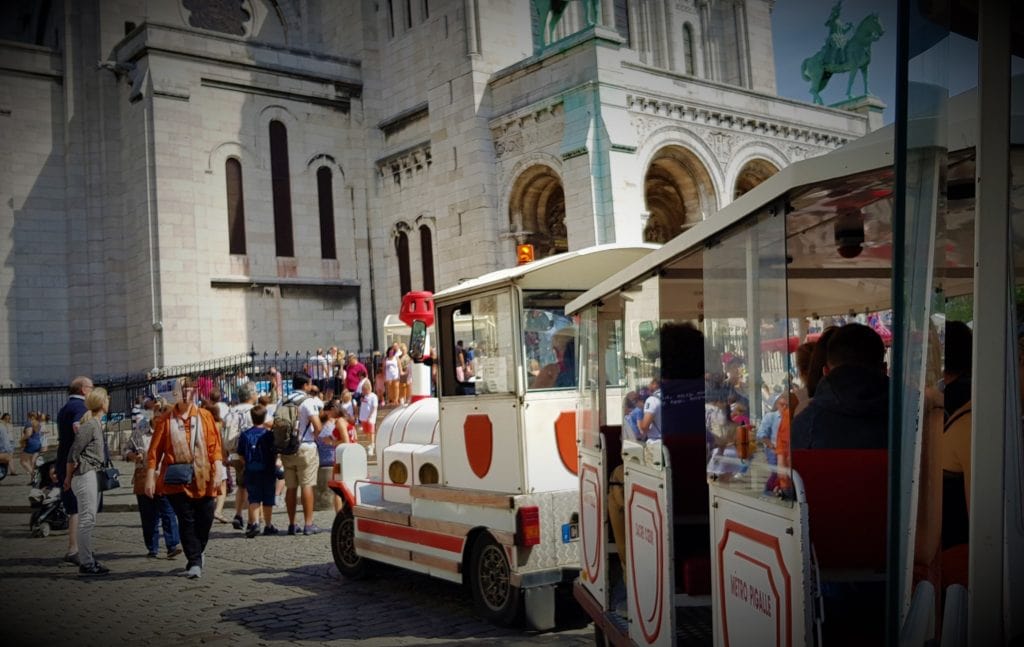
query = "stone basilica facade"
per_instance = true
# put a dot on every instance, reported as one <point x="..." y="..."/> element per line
<point x="186" y="179"/>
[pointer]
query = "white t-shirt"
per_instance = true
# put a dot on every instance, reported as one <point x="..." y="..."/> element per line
<point x="309" y="408"/>
<point x="318" y="367"/>
<point x="368" y="407"/>
<point x="391" y="368"/>
<point x="652" y="405"/>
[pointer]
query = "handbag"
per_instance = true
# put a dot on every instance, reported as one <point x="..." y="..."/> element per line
<point x="108" y="477"/>
<point x="183" y="473"/>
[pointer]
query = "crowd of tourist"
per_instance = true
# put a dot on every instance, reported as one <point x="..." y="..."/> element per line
<point x="192" y="450"/>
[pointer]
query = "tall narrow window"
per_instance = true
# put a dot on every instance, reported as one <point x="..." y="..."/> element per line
<point x="391" y="19"/>
<point x="427" y="257"/>
<point x="402" y="249"/>
<point x="236" y="207"/>
<point x="408" y="14"/>
<point x="688" y="48"/>
<point x="280" y="185"/>
<point x="426" y="9"/>
<point x="325" y="194"/>
<point x="622" y="20"/>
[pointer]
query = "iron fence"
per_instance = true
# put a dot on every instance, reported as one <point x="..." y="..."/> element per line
<point x="226" y="374"/>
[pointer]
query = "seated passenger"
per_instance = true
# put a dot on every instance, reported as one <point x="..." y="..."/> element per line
<point x="631" y="415"/>
<point x="562" y="372"/>
<point x="955" y="448"/>
<point x="956" y="373"/>
<point x="850" y="408"/>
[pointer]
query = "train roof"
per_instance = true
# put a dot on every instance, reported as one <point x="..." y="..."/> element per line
<point x="575" y="270"/>
<point x="827" y="173"/>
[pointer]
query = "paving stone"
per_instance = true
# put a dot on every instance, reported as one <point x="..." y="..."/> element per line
<point x="252" y="592"/>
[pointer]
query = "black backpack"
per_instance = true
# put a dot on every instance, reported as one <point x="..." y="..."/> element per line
<point x="286" y="427"/>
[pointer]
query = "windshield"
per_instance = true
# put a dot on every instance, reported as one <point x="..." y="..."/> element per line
<point x="549" y="340"/>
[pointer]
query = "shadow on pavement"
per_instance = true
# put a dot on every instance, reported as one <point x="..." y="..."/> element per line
<point x="390" y="603"/>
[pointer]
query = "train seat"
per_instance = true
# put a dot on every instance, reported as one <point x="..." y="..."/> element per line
<point x="846" y="492"/>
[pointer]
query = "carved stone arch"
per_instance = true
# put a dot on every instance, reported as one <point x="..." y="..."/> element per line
<point x="678" y="193"/>
<point x="537" y="210"/>
<point x="400" y="227"/>
<point x="508" y="180"/>
<point x="752" y="164"/>
<point x="672" y="135"/>
<point x="324" y="159"/>
<point x="277" y="112"/>
<point x="221" y="152"/>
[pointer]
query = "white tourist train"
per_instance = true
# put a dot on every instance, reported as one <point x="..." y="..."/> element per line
<point x="479" y="484"/>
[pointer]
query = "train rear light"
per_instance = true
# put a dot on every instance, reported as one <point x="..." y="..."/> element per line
<point x="528" y="526"/>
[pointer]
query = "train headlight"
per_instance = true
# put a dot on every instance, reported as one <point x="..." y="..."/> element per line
<point x="428" y="474"/>
<point x="398" y="473"/>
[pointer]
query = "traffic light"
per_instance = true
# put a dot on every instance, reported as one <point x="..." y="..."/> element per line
<point x="524" y="254"/>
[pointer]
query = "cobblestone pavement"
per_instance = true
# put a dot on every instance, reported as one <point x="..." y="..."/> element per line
<point x="253" y="591"/>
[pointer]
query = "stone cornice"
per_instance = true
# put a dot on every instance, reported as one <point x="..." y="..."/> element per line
<point x="407" y="161"/>
<point x="341" y="75"/>
<point x="720" y="117"/>
<point x="400" y="120"/>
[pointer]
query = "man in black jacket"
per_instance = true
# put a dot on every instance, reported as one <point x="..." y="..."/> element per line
<point x="850" y="408"/>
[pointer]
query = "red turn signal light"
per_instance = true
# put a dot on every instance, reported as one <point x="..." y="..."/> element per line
<point x="528" y="526"/>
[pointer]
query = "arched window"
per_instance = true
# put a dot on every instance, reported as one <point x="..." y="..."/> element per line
<point x="688" y="64"/>
<point x="236" y="206"/>
<point x="621" y="9"/>
<point x="280" y="186"/>
<point x="427" y="257"/>
<point x="325" y="197"/>
<point x="402" y="249"/>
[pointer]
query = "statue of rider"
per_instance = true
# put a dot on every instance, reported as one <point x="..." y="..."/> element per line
<point x="837" y="30"/>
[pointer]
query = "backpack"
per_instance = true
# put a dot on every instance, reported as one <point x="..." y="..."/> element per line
<point x="236" y="422"/>
<point x="254" y="456"/>
<point x="286" y="426"/>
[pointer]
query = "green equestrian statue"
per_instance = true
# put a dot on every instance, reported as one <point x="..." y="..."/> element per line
<point x="842" y="54"/>
<point x="550" y="13"/>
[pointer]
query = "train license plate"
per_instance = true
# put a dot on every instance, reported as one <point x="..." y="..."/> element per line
<point x="570" y="532"/>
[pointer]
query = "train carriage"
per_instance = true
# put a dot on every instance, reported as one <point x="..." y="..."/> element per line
<point x="729" y="540"/>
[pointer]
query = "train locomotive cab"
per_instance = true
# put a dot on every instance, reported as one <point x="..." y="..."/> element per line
<point x="478" y="485"/>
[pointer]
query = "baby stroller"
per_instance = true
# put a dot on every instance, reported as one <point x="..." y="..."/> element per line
<point x="47" y="508"/>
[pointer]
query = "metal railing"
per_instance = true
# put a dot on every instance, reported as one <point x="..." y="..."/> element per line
<point x="226" y="374"/>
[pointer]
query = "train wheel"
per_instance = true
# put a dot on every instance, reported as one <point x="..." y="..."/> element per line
<point x="343" y="546"/>
<point x="491" y="582"/>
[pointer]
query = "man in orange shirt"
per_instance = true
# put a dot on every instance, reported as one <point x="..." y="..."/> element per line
<point x="186" y="447"/>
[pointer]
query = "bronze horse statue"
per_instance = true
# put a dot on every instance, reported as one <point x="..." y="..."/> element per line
<point x="855" y="56"/>
<point x="550" y="13"/>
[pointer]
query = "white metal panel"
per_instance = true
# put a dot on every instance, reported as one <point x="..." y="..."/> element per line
<point x="650" y="553"/>
<point x="545" y="469"/>
<point x="501" y="468"/>
<point x="760" y="575"/>
<point x="413" y="423"/>
<point x="593" y="538"/>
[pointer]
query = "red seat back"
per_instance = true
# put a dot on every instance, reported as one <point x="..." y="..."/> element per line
<point x="847" y="492"/>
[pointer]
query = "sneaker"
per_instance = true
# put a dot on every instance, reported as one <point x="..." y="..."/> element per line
<point x="93" y="569"/>
<point x="72" y="558"/>
<point x="194" y="573"/>
<point x="370" y="450"/>
<point x="237" y="522"/>
<point x="292" y="529"/>
<point x="151" y="555"/>
<point x="270" y="530"/>
<point x="312" y="530"/>
<point x="252" y="530"/>
<point x="173" y="552"/>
